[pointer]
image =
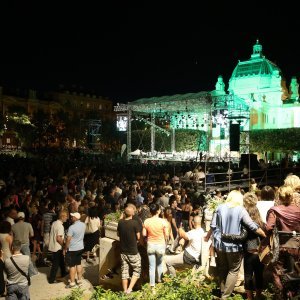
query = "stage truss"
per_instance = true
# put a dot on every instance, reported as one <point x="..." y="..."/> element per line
<point x="199" y="111"/>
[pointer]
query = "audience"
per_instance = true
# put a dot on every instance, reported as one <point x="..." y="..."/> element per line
<point x="36" y="202"/>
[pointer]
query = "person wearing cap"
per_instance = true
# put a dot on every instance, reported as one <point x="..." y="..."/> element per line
<point x="23" y="231"/>
<point x="73" y="249"/>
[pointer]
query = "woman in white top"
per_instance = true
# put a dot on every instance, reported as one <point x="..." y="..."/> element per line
<point x="92" y="233"/>
<point x="267" y="195"/>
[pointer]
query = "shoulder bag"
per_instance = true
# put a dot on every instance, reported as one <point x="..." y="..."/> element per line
<point x="270" y="253"/>
<point x="21" y="271"/>
<point x="235" y="238"/>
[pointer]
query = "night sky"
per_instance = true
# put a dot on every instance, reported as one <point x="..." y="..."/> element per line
<point x="125" y="52"/>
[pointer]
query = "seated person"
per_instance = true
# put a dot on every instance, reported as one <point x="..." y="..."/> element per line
<point x="192" y="252"/>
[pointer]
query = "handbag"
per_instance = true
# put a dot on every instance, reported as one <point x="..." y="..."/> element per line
<point x="270" y="253"/>
<point x="21" y="271"/>
<point x="235" y="238"/>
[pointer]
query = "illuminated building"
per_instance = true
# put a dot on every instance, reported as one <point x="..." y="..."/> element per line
<point x="256" y="98"/>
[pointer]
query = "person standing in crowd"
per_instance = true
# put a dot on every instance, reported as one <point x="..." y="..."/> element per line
<point x="12" y="215"/>
<point x="47" y="219"/>
<point x="192" y="252"/>
<point x="35" y="220"/>
<point x="173" y="206"/>
<point x="23" y="231"/>
<point x="155" y="231"/>
<point x="228" y="219"/>
<point x="294" y="182"/>
<point x="129" y="233"/>
<point x="56" y="242"/>
<point x="74" y="248"/>
<point x="167" y="217"/>
<point x="6" y="238"/>
<point x="267" y="195"/>
<point x="92" y="231"/>
<point x="252" y="264"/>
<point x="186" y="210"/>
<point x="17" y="284"/>
<point x="2" y="281"/>
<point x="286" y="217"/>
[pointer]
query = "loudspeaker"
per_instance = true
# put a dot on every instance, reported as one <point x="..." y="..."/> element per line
<point x="234" y="137"/>
<point x="249" y="158"/>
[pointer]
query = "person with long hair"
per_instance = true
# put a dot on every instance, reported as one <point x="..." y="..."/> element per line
<point x="155" y="231"/>
<point x="294" y="182"/>
<point x="92" y="234"/>
<point x="286" y="217"/>
<point x="167" y="216"/>
<point x="252" y="264"/>
<point x="228" y="219"/>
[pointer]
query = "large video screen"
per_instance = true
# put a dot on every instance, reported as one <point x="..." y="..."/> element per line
<point x="122" y="122"/>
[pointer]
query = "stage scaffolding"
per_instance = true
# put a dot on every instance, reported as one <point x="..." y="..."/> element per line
<point x="208" y="112"/>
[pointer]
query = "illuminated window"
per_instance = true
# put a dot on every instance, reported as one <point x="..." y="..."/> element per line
<point x="88" y="105"/>
<point x="100" y="107"/>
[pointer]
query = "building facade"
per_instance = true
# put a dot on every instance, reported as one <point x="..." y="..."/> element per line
<point x="85" y="108"/>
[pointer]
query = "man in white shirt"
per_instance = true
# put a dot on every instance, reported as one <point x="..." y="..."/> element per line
<point x="56" y="241"/>
<point x="192" y="252"/>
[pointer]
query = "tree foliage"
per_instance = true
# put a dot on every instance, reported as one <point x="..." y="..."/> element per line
<point x="273" y="140"/>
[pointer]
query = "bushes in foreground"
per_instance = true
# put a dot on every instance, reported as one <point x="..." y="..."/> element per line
<point x="188" y="285"/>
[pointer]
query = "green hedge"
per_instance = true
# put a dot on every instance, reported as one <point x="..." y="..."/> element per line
<point x="185" y="139"/>
<point x="275" y="140"/>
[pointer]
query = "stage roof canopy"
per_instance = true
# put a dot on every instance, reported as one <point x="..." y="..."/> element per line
<point x="179" y="102"/>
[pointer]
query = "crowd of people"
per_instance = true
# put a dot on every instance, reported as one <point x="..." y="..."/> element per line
<point x="53" y="214"/>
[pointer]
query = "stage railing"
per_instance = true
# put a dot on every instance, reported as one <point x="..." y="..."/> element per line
<point x="229" y="181"/>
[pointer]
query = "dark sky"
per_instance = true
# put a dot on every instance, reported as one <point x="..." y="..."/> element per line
<point x="125" y="51"/>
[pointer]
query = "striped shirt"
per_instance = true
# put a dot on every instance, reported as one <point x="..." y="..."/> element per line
<point x="48" y="217"/>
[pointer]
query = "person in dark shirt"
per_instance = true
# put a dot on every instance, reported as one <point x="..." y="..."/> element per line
<point x="129" y="233"/>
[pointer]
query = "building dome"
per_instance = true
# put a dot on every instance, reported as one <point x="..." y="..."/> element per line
<point x="260" y="66"/>
<point x="255" y="73"/>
